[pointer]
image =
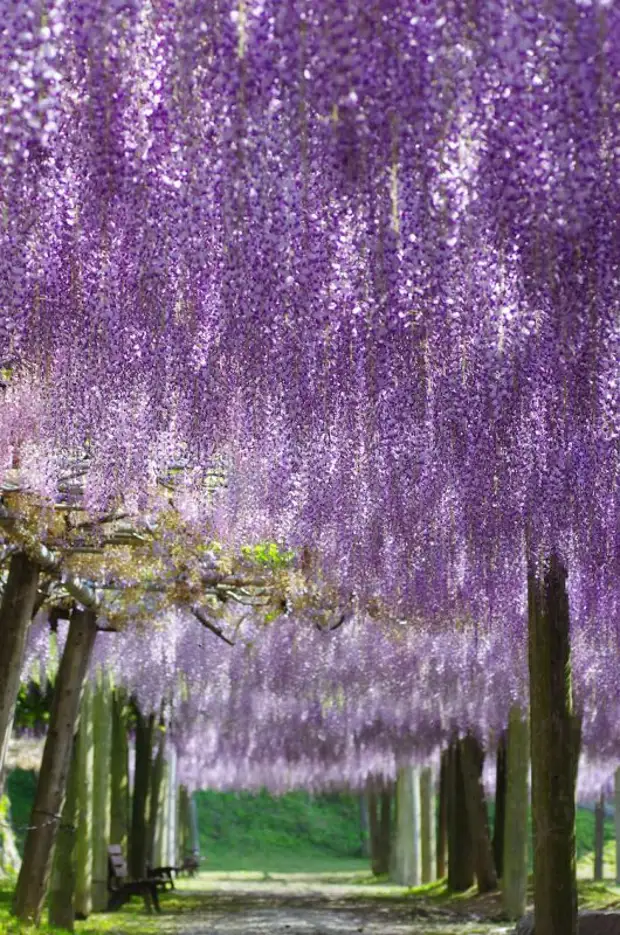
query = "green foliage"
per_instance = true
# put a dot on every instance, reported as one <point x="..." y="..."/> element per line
<point x="21" y="787"/>
<point x="294" y="832"/>
<point x="34" y="703"/>
<point x="268" y="554"/>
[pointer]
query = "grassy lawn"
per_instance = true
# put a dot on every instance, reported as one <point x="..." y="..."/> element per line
<point x="132" y="920"/>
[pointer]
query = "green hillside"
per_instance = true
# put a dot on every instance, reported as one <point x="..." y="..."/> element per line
<point x="295" y="832"/>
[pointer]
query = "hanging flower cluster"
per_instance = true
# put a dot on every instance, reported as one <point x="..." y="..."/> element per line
<point x="365" y="258"/>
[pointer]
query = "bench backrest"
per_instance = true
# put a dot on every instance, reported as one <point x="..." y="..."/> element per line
<point x="117" y="863"/>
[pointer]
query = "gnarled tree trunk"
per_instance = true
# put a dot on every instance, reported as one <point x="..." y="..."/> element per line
<point x="18" y="602"/>
<point x="51" y="788"/>
<point x="62" y="885"/>
<point x="554" y="751"/>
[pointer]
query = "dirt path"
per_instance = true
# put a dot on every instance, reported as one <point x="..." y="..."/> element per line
<point x="312" y="907"/>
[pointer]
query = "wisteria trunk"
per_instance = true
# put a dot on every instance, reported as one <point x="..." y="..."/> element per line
<point x="51" y="788"/>
<point x="156" y="799"/>
<point x="599" y="837"/>
<point x="553" y="752"/>
<point x="84" y="835"/>
<point x="472" y="760"/>
<point x="18" y="602"/>
<point x="442" y="817"/>
<point x="460" y="849"/>
<point x="62" y="886"/>
<point x="405" y="869"/>
<point x="119" y="776"/>
<point x="102" y="769"/>
<point x="500" y="806"/>
<point x="427" y="824"/>
<point x="142" y="779"/>
<point x="617" y="821"/>
<point x="514" y="880"/>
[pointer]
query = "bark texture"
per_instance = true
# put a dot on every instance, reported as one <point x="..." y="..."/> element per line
<point x="62" y="886"/>
<point x="102" y="762"/>
<point x="31" y="887"/>
<point x="119" y="776"/>
<point x="500" y="806"/>
<point x="156" y="799"/>
<point x="472" y="761"/>
<point x="18" y="601"/>
<point x="427" y="825"/>
<point x="514" y="880"/>
<point x="460" y="848"/>
<point x="554" y="753"/>
<point x="142" y="779"/>
<point x="83" y="901"/>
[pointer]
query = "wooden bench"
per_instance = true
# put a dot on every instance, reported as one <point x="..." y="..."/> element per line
<point x="122" y="888"/>
<point x="190" y="864"/>
<point x="163" y="876"/>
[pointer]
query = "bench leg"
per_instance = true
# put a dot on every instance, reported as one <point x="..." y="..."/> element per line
<point x="155" y="898"/>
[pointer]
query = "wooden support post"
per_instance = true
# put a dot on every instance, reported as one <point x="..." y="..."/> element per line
<point x="554" y="752"/>
<point x="500" y="805"/>
<point x="172" y="812"/>
<point x="514" y="880"/>
<point x="427" y="824"/>
<point x="472" y="760"/>
<point x="156" y="797"/>
<point x="119" y="776"/>
<point x="380" y="821"/>
<point x="405" y="869"/>
<point x="84" y="835"/>
<point x="142" y="780"/>
<point x="460" y="847"/>
<point x="31" y="887"/>
<point x="102" y="770"/>
<point x="442" y="817"/>
<point x="599" y="837"/>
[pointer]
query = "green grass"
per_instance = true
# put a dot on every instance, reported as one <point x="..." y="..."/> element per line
<point x="295" y="832"/>
<point x="131" y="920"/>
